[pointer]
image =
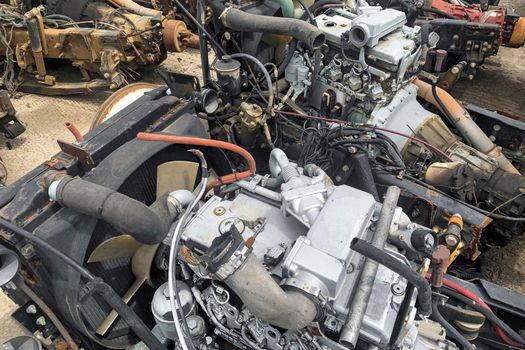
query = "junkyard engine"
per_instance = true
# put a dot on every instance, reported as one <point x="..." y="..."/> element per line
<point x="361" y="84"/>
<point x="107" y="44"/>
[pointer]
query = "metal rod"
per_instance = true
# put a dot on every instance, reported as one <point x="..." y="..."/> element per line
<point x="205" y="63"/>
<point x="357" y="309"/>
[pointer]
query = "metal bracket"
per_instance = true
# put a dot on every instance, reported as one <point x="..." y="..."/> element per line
<point x="82" y="155"/>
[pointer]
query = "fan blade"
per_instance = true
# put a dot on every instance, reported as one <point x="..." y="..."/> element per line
<point x="108" y="322"/>
<point x="176" y="175"/>
<point x="141" y="267"/>
<point x="115" y="247"/>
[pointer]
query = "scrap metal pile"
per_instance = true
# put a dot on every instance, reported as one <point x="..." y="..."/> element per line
<point x="105" y="44"/>
<point x="319" y="190"/>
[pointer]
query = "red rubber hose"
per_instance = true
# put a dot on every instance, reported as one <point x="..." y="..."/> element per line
<point x="197" y="141"/>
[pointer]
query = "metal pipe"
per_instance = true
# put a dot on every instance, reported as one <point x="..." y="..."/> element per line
<point x="138" y="9"/>
<point x="174" y="299"/>
<point x="266" y="299"/>
<point x="262" y="191"/>
<point x="357" y="309"/>
<point x="424" y="293"/>
<point x="463" y="121"/>
<point x="205" y="62"/>
<point x="36" y="45"/>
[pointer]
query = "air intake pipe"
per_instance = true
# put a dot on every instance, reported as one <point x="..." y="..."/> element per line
<point x="267" y="300"/>
<point x="246" y="22"/>
<point x="9" y="265"/>
<point x="148" y="225"/>
<point x="230" y="259"/>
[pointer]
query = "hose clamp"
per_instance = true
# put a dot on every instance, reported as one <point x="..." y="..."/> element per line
<point x="234" y="262"/>
<point x="226" y="254"/>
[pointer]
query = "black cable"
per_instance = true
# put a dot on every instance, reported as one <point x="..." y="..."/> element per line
<point x="487" y="313"/>
<point x="46" y="246"/>
<point x="445" y="111"/>
<point x="451" y="331"/>
<point x="424" y="296"/>
<point x="390" y="148"/>
<point x="217" y="118"/>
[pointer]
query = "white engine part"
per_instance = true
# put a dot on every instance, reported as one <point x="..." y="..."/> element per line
<point x="302" y="235"/>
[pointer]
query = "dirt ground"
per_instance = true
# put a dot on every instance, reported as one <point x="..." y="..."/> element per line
<point x="500" y="85"/>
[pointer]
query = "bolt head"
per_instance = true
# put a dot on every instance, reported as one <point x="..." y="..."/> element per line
<point x="41" y="321"/>
<point x="31" y="309"/>
<point x="27" y="251"/>
<point x="192" y="324"/>
<point x="451" y="240"/>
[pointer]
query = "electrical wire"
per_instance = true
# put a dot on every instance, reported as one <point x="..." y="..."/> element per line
<point x="505" y="203"/>
<point x="48" y="247"/>
<point x="487" y="213"/>
<point x="265" y="73"/>
<point x="135" y="323"/>
<point x="373" y="127"/>
<point x="174" y="248"/>
<point x="415" y="139"/>
<point x="307" y="11"/>
<point x="489" y="314"/>
<point x="451" y="331"/>
<point x="467" y="293"/>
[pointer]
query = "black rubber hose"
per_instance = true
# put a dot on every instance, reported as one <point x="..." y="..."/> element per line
<point x="447" y="113"/>
<point x="291" y="49"/>
<point x="292" y="46"/>
<point x="303" y="31"/>
<point x="381" y="257"/>
<point x="148" y="225"/>
<point x="451" y="331"/>
<point x="487" y="313"/>
<point x="425" y="33"/>
<point x="110" y="296"/>
<point x="438" y="12"/>
<point x="457" y="313"/>
<point x="363" y="174"/>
